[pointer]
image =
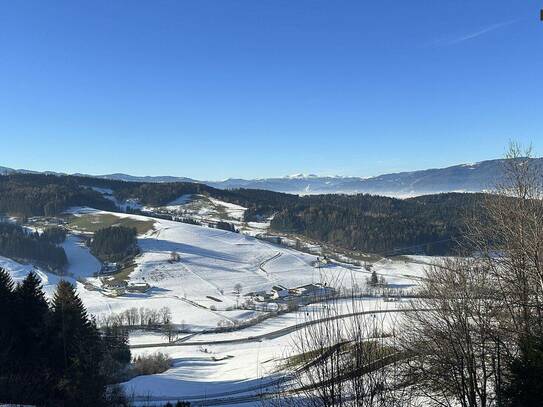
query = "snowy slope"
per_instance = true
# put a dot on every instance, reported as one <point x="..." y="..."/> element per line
<point x="210" y="370"/>
<point x="212" y="262"/>
<point x="81" y="263"/>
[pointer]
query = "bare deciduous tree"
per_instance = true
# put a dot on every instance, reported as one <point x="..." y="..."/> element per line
<point x="486" y="305"/>
<point x="451" y="341"/>
<point x="348" y="361"/>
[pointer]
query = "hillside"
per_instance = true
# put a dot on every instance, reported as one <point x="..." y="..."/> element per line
<point x="430" y="224"/>
<point x="359" y="222"/>
<point x="200" y="287"/>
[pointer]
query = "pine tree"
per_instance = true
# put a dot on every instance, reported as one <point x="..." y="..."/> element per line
<point x="116" y="353"/>
<point x="6" y="293"/>
<point x="75" y="351"/>
<point x="525" y="388"/>
<point x="6" y="330"/>
<point x="374" y="280"/>
<point x="31" y="313"/>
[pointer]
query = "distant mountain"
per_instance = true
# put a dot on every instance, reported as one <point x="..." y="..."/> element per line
<point x="475" y="177"/>
<point x="133" y="178"/>
<point x="6" y="171"/>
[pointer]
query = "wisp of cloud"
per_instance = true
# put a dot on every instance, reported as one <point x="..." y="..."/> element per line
<point x="473" y="35"/>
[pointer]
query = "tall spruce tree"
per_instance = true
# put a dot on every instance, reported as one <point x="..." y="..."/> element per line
<point x="6" y="332"/>
<point x="116" y="353"/>
<point x="31" y="314"/>
<point x="75" y="351"/>
<point x="525" y="384"/>
<point x="6" y="302"/>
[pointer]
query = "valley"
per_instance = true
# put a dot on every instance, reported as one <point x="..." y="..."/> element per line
<point x="226" y="341"/>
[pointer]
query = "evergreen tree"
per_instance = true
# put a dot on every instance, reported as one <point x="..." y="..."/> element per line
<point x="75" y="351"/>
<point x="6" y="295"/>
<point x="6" y="331"/>
<point x="525" y="387"/>
<point x="31" y="313"/>
<point x="54" y="355"/>
<point x="116" y="353"/>
<point x="374" y="279"/>
<point x="18" y="243"/>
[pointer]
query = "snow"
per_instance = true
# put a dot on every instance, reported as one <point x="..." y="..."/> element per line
<point x="81" y="263"/>
<point x="203" y="370"/>
<point x="212" y="262"/>
<point x="196" y="372"/>
<point x="122" y="205"/>
<point x="19" y="271"/>
<point x="233" y="211"/>
<point x="203" y="208"/>
<point x="183" y="199"/>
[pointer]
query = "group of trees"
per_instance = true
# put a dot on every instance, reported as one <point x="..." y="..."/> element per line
<point x="345" y="362"/>
<point x="134" y="317"/>
<point x="428" y="224"/>
<point x="54" y="234"/>
<point x="157" y="194"/>
<point x="114" y="243"/>
<point x="18" y="243"/>
<point x="52" y="354"/>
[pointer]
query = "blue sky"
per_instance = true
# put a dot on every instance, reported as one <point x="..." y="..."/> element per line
<point x="229" y="88"/>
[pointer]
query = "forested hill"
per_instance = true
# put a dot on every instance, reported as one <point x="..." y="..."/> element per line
<point x="428" y="224"/>
<point x="47" y="195"/>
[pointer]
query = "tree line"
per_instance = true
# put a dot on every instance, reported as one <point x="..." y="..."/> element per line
<point x="135" y="317"/>
<point x="20" y="244"/>
<point x="51" y="353"/>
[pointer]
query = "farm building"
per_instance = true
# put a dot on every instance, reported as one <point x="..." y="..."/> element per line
<point x="279" y="291"/>
<point x="313" y="290"/>
<point x="138" y="287"/>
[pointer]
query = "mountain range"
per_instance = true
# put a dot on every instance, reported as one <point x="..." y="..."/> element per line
<point x="476" y="177"/>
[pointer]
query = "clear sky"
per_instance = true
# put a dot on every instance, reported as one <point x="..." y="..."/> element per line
<point x="256" y="88"/>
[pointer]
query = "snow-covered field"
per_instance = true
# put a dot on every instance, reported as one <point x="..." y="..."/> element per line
<point x="81" y="263"/>
<point x="204" y="370"/>
<point x="212" y="262"/>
